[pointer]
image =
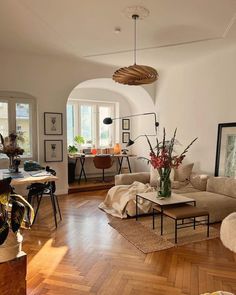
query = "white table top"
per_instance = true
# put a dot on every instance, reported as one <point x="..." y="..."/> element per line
<point x="173" y="199"/>
<point x="27" y="177"/>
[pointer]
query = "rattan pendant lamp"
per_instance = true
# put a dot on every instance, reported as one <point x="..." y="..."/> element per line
<point x="136" y="74"/>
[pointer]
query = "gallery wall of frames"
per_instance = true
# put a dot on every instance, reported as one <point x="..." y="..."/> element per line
<point x="53" y="126"/>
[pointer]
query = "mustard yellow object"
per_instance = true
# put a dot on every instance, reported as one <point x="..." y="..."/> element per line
<point x="4" y="199"/>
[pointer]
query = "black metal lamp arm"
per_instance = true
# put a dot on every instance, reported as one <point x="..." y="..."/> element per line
<point x="144" y="114"/>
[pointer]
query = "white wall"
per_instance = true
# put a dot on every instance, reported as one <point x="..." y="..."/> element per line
<point x="50" y="80"/>
<point x="193" y="97"/>
<point x="197" y="97"/>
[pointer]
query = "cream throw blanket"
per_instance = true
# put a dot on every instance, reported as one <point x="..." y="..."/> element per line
<point x="120" y="200"/>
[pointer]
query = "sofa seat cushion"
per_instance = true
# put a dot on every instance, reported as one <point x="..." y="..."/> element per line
<point x="185" y="189"/>
<point x="219" y="206"/>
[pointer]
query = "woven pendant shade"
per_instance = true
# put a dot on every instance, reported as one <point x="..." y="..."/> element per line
<point x="136" y="74"/>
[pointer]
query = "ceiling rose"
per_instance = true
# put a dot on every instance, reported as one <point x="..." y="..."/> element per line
<point x="135" y="74"/>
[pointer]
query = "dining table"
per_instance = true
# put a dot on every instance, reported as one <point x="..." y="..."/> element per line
<point x="27" y="177"/>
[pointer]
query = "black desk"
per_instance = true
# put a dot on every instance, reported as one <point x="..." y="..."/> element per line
<point x="82" y="159"/>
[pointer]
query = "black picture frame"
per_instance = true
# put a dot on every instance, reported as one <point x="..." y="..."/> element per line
<point x="53" y="123"/>
<point x="53" y="154"/>
<point x="226" y="145"/>
<point x="125" y="124"/>
<point x="125" y="137"/>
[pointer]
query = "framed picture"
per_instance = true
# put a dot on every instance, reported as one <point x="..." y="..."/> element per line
<point x="225" y="164"/>
<point x="125" y="137"/>
<point x="53" y="150"/>
<point x="53" y="124"/>
<point x="126" y="124"/>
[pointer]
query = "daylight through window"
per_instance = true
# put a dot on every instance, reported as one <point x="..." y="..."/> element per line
<point x="85" y="118"/>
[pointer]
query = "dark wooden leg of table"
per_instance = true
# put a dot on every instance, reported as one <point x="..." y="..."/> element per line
<point x="153" y="218"/>
<point x="82" y="172"/>
<point x="120" y="161"/>
<point x="161" y="221"/>
<point x="129" y="164"/>
<point x="76" y="159"/>
<point x="208" y="222"/>
<point x="194" y="222"/>
<point x="176" y="231"/>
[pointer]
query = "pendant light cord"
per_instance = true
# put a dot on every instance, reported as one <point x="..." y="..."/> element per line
<point x="135" y="16"/>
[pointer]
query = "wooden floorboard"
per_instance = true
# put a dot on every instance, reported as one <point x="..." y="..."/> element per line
<point x="87" y="256"/>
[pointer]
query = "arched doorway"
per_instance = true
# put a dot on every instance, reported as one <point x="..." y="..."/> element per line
<point x="128" y="100"/>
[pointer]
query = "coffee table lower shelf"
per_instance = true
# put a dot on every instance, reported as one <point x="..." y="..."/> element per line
<point x="177" y="207"/>
<point x="181" y="213"/>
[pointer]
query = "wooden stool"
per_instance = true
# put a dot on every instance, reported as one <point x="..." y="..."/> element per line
<point x="181" y="213"/>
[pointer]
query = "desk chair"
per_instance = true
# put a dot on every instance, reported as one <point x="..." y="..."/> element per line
<point x="39" y="190"/>
<point x="103" y="162"/>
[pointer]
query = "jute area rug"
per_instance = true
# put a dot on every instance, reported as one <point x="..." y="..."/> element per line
<point x="147" y="240"/>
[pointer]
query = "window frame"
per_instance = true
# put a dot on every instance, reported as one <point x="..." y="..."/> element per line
<point x="95" y="119"/>
<point x="12" y="101"/>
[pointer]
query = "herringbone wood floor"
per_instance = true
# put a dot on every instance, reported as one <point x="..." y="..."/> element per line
<point x="86" y="256"/>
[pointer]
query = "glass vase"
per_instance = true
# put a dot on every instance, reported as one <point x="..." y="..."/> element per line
<point x="11" y="166"/>
<point x="165" y="183"/>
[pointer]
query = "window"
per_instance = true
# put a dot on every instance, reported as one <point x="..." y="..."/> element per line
<point x="4" y="127"/>
<point x="70" y="124"/>
<point x="16" y="115"/>
<point x="85" y="118"/>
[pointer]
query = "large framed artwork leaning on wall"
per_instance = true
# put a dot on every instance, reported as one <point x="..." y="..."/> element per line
<point x="225" y="164"/>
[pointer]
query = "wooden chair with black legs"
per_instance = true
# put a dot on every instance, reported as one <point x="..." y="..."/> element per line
<point x="103" y="162"/>
<point x="40" y="190"/>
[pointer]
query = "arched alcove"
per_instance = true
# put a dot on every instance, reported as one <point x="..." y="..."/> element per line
<point x="133" y="100"/>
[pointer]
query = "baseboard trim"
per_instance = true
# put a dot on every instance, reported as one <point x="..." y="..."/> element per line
<point x="62" y="192"/>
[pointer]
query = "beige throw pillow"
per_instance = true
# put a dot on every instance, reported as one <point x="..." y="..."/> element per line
<point x="199" y="181"/>
<point x="183" y="172"/>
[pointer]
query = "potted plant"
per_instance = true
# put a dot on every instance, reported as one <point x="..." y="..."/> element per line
<point x="72" y="149"/>
<point x="15" y="212"/>
<point x="79" y="140"/>
<point x="9" y="146"/>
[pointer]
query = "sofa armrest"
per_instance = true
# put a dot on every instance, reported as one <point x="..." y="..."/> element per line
<point x="129" y="178"/>
<point x="199" y="181"/>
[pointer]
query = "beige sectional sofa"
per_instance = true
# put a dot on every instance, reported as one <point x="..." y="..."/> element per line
<point x="215" y="194"/>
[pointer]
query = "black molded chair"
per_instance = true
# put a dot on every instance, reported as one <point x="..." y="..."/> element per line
<point x="103" y="162"/>
<point x="39" y="190"/>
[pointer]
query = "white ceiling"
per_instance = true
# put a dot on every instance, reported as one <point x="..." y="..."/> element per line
<point x="85" y="28"/>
